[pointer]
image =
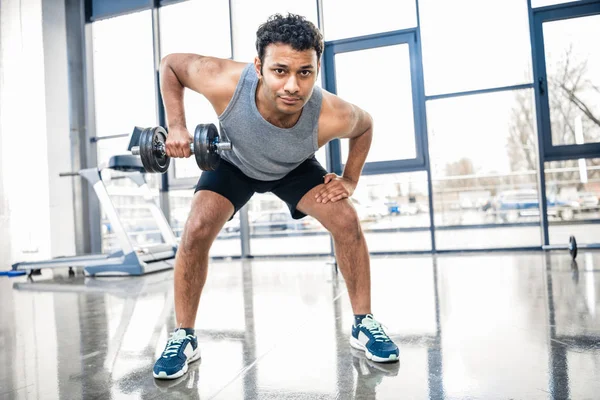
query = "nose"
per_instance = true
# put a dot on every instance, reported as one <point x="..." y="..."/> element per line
<point x="291" y="85"/>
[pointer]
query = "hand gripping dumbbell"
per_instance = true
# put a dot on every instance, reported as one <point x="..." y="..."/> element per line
<point x="206" y="147"/>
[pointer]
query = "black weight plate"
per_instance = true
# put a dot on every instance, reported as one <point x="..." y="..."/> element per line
<point x="145" y="144"/>
<point x="161" y="160"/>
<point x="573" y="247"/>
<point x="152" y="142"/>
<point x="205" y="150"/>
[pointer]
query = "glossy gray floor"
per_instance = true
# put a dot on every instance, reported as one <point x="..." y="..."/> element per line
<point x="485" y="326"/>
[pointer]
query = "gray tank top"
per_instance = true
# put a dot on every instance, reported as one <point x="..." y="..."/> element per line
<point x="260" y="149"/>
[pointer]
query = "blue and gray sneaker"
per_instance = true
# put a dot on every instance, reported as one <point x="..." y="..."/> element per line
<point x="181" y="349"/>
<point x="370" y="337"/>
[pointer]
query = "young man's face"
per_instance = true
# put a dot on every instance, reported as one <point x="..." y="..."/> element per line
<point x="288" y="76"/>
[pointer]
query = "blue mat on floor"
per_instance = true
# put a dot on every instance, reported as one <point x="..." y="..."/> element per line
<point x="12" y="273"/>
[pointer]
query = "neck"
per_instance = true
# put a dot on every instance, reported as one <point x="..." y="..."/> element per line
<point x="274" y="117"/>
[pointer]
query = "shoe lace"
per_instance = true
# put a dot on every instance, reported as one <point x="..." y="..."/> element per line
<point x="174" y="343"/>
<point x="376" y="330"/>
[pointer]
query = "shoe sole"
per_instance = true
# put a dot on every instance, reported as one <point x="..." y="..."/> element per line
<point x="163" y="375"/>
<point x="359" y="346"/>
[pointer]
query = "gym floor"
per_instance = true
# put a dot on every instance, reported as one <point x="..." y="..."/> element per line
<point x="477" y="326"/>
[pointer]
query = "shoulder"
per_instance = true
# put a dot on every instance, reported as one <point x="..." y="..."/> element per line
<point x="339" y="118"/>
<point x="220" y="80"/>
<point x="221" y="74"/>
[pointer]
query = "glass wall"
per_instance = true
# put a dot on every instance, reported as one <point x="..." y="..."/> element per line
<point x="124" y="85"/>
<point x="351" y="18"/>
<point x="483" y="151"/>
<point x="573" y="192"/>
<point x="394" y="211"/>
<point x="273" y="231"/>
<point x="573" y="75"/>
<point x="482" y="144"/>
<point x="471" y="44"/>
<point x="124" y="97"/>
<point x="388" y="98"/>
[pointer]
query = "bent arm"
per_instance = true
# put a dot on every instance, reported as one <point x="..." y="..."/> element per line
<point x="361" y="136"/>
<point x="348" y="121"/>
<point x="181" y="70"/>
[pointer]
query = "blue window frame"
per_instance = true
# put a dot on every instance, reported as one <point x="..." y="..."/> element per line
<point x="550" y="151"/>
<point x="409" y="36"/>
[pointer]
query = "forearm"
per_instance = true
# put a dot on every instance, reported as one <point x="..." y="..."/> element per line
<point x="172" y="94"/>
<point x="357" y="155"/>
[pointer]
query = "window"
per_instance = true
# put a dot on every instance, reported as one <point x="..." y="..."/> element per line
<point x="573" y="76"/>
<point x="125" y="97"/>
<point x="471" y="44"/>
<point x="573" y="200"/>
<point x="124" y="84"/>
<point x="351" y="18"/>
<point x="387" y="97"/>
<point x="484" y="169"/>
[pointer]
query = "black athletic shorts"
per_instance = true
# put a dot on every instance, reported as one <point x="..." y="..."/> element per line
<point x="231" y="183"/>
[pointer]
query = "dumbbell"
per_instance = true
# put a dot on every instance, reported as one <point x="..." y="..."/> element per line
<point x="206" y="146"/>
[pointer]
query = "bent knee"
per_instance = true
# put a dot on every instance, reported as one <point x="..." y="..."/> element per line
<point x="345" y="222"/>
<point x="198" y="234"/>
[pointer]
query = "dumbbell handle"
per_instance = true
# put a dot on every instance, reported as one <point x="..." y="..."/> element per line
<point x="135" y="150"/>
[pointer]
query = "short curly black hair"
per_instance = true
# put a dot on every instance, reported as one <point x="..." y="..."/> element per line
<point x="292" y="29"/>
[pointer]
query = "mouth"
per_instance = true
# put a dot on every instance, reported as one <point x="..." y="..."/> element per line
<point x="289" y="100"/>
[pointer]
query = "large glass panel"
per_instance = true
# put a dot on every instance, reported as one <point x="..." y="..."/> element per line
<point x="394" y="211"/>
<point x="124" y="86"/>
<point x="351" y="18"/>
<point x="124" y="97"/>
<point x="573" y="191"/>
<point x="247" y="17"/>
<point x="273" y="231"/>
<point x="180" y="33"/>
<point x="472" y="44"/>
<point x="387" y="97"/>
<point x="484" y="168"/>
<point x="573" y="74"/>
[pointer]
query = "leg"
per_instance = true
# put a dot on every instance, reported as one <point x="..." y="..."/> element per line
<point x="341" y="220"/>
<point x="210" y="211"/>
<point x="219" y="194"/>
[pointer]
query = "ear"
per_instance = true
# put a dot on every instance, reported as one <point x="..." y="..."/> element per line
<point x="257" y="66"/>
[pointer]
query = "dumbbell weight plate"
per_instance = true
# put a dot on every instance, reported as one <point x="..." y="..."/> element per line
<point x="153" y="159"/>
<point x="573" y="247"/>
<point x="206" y="153"/>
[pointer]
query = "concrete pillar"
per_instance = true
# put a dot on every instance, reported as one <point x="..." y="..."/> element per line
<point x="36" y="205"/>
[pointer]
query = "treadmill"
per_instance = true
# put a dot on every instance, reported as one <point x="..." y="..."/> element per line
<point x="129" y="260"/>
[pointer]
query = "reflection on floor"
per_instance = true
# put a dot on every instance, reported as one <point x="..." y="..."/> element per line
<point x="483" y="326"/>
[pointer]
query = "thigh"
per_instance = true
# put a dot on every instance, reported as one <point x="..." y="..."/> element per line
<point x="295" y="185"/>
<point x="228" y="182"/>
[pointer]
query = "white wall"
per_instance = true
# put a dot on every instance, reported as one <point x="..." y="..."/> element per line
<point x="36" y="209"/>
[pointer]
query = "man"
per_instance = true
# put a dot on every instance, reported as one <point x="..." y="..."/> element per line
<point x="276" y="119"/>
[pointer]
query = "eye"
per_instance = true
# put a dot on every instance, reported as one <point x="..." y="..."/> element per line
<point x="305" y="73"/>
<point x="279" y="71"/>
